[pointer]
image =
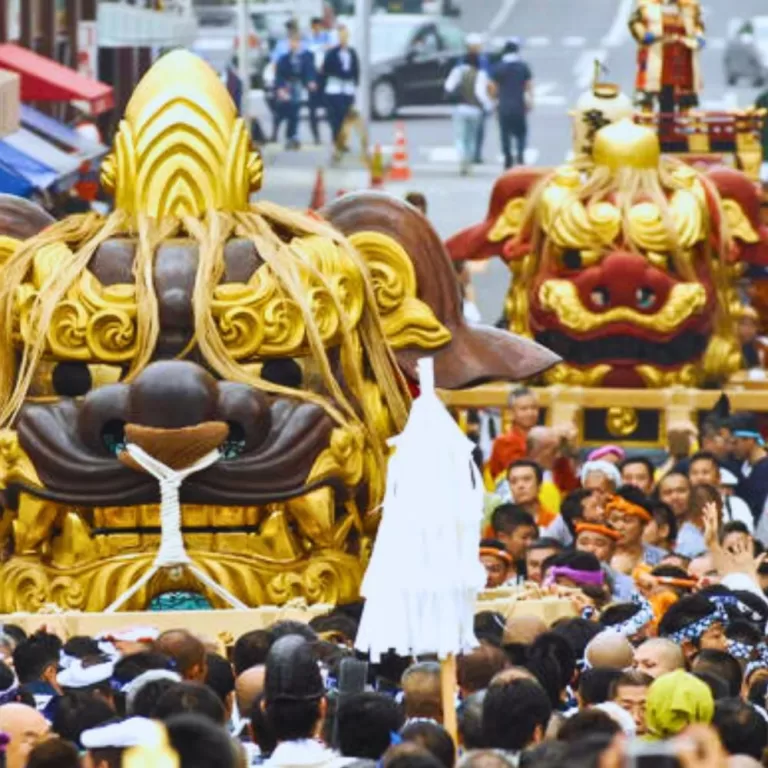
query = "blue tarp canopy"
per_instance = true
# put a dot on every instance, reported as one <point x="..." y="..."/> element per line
<point x="21" y="165"/>
<point x="12" y="184"/>
<point x="61" y="134"/>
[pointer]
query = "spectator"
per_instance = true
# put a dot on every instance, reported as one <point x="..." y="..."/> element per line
<point x="54" y="753"/>
<point x="661" y="532"/>
<point x="200" y="743"/>
<point x="497" y="562"/>
<point x="595" y="685"/>
<point x="704" y="469"/>
<point x="190" y="698"/>
<point x="630" y="692"/>
<point x="674" y="489"/>
<point x="516" y="529"/>
<point x="537" y="553"/>
<point x="629" y="512"/>
<point x="741" y="728"/>
<point x="749" y="447"/>
<point x="250" y="650"/>
<point x="514" y="84"/>
<point x="638" y="471"/>
<point x="721" y="664"/>
<point x="468" y="87"/>
<point x="366" y="722"/>
<point x="512" y="445"/>
<point x="525" y="478"/>
<point x="221" y="680"/>
<point x="434" y="738"/>
<point x="476" y="669"/>
<point x="470" y="720"/>
<point x="294" y="72"/>
<point x="341" y="71"/>
<point x="421" y="692"/>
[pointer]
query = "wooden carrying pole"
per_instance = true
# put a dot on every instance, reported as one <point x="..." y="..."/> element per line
<point x="448" y="685"/>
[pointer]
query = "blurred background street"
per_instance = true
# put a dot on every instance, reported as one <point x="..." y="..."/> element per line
<point x="561" y="41"/>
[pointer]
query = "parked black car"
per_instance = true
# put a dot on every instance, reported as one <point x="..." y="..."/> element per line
<point x="411" y="58"/>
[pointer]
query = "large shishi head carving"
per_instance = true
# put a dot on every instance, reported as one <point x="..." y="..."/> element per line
<point x="625" y="264"/>
<point x="289" y="338"/>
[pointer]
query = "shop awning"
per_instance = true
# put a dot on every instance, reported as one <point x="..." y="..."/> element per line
<point x="45" y="80"/>
<point x="40" y="164"/>
<point x="60" y="134"/>
<point x="13" y="184"/>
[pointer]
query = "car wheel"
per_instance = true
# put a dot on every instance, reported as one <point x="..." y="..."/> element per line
<point x="383" y="100"/>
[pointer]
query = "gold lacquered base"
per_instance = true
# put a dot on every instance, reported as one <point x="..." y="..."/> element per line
<point x="28" y="585"/>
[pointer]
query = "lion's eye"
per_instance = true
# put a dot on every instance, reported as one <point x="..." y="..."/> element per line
<point x="600" y="297"/>
<point x="645" y="297"/>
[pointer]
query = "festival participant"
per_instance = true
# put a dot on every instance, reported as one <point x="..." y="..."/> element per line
<point x="657" y="657"/>
<point x="366" y="722"/>
<point x="497" y="562"/>
<point x="675" y="702"/>
<point x="539" y="551"/>
<point x="609" y="649"/>
<point x="695" y="623"/>
<point x="629" y="512"/>
<point x="661" y="532"/>
<point x="25" y="728"/>
<point x="601" y="540"/>
<point x="187" y="651"/>
<point x="512" y="445"/>
<point x="582" y="504"/>
<point x="742" y="728"/>
<point x="630" y="692"/>
<point x="601" y="477"/>
<point x="614" y="454"/>
<point x="76" y="713"/>
<point x="421" y="692"/>
<point x="525" y="479"/>
<point x="674" y="489"/>
<point x="704" y="469"/>
<point x="690" y="536"/>
<point x="515" y="529"/>
<point x="92" y="675"/>
<point x="35" y="661"/>
<point x="638" y="471"/>
<point x="749" y="447"/>
<point x="106" y="744"/>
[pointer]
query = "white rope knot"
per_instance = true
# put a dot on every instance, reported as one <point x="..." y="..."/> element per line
<point x="172" y="552"/>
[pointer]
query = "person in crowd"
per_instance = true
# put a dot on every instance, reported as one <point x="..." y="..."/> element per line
<point x="512" y="445"/>
<point x="78" y="712"/>
<point x="516" y="529"/>
<point x="319" y="41"/>
<point x="468" y="87"/>
<point x="366" y="722"/>
<point x="190" y="698"/>
<point x="601" y="540"/>
<point x="421" y="692"/>
<point x="36" y="661"/>
<point x="294" y="72"/>
<point x="674" y="489"/>
<point x="525" y="478"/>
<point x="638" y="471"/>
<point x="657" y="657"/>
<point x="676" y="701"/>
<point x="470" y="721"/>
<point x="341" y="75"/>
<point x="535" y="556"/>
<point x="497" y="562"/>
<point x="742" y="729"/>
<point x="187" y="651"/>
<point x="661" y="531"/>
<point x="54" y="753"/>
<point x="695" y="623"/>
<point x="476" y="45"/>
<point x="476" y="669"/>
<point x="629" y="512"/>
<point x="582" y="505"/>
<point x="515" y="716"/>
<point x="250" y="650"/>
<point x="630" y="692"/>
<point x="601" y="478"/>
<point x="754" y="350"/>
<point x="704" y="469"/>
<point x="514" y="87"/>
<point x="198" y="742"/>
<point x="25" y="728"/>
<point x="720" y="664"/>
<point x="691" y="541"/>
<point x="434" y="738"/>
<point x="749" y="447"/>
<point x="595" y="685"/>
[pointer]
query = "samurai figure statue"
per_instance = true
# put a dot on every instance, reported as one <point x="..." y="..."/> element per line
<point x="670" y="34"/>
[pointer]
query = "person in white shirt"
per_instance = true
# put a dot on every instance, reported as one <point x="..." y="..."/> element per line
<point x="704" y="469"/>
<point x="469" y="89"/>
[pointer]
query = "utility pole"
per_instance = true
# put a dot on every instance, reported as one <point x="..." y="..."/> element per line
<point x="363" y="37"/>
<point x="243" y="60"/>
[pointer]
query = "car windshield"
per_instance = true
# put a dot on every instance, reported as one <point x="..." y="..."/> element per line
<point x="390" y="40"/>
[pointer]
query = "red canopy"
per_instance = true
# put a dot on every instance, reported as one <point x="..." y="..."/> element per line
<point x="45" y="80"/>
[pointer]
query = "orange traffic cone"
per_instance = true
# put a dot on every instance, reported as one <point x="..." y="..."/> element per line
<point x="377" y="168"/>
<point x="400" y="170"/>
<point x="318" y="192"/>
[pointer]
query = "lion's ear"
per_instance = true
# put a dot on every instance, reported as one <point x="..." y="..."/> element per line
<point x="21" y="219"/>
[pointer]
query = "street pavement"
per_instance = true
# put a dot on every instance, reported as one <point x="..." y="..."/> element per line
<point x="561" y="41"/>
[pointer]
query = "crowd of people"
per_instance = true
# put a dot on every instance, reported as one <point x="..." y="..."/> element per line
<point x="661" y="649"/>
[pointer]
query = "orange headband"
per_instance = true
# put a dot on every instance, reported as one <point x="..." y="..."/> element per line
<point x="603" y="530"/>
<point x="502" y="554"/>
<point x="628" y="508"/>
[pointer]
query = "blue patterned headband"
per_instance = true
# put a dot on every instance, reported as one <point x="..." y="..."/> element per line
<point x="749" y="613"/>
<point x="641" y="619"/>
<point x="697" y="628"/>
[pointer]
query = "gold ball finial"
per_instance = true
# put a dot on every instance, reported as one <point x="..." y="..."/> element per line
<point x="626" y="145"/>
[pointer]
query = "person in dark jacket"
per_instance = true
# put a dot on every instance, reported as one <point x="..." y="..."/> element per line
<point x="295" y="71"/>
<point x="514" y="83"/>
<point x="341" y="72"/>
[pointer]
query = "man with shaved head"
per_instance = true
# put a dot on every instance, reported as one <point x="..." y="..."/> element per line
<point x="523" y="630"/>
<point x="609" y="649"/>
<point x="26" y="728"/>
<point x="249" y="685"/>
<point x="658" y="656"/>
<point x="187" y="651"/>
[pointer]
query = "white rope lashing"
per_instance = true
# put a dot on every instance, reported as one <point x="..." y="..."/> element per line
<point x="172" y="553"/>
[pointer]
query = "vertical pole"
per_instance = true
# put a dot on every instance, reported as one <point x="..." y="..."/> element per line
<point x="27" y="23"/>
<point x="243" y="60"/>
<point x="5" y="21"/>
<point x="363" y="38"/>
<point x="73" y="16"/>
<point x="448" y="684"/>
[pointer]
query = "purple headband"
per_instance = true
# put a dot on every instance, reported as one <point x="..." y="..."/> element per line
<point x="606" y="450"/>
<point x="585" y="578"/>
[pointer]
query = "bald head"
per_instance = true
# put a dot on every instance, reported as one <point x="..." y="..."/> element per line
<point x="658" y="656"/>
<point x="523" y="629"/>
<point x="421" y="691"/>
<point x="743" y="761"/>
<point x="25" y="727"/>
<point x="249" y="685"/>
<point x="609" y="649"/>
<point x="187" y="651"/>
